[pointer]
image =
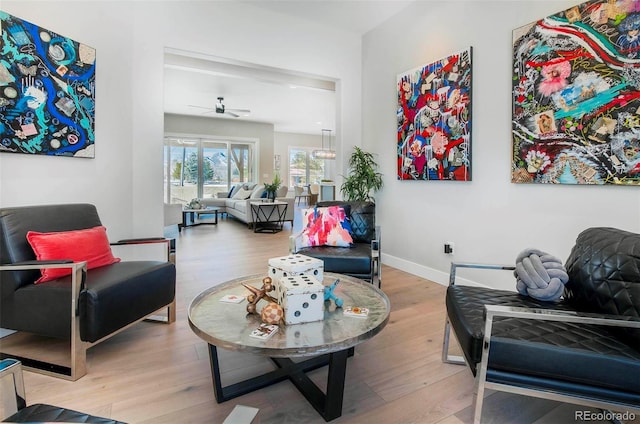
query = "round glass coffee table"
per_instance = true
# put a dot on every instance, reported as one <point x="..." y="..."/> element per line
<point x="326" y="342"/>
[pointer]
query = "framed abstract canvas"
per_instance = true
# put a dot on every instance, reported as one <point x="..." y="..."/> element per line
<point x="434" y="120"/>
<point x="47" y="91"/>
<point x="576" y="96"/>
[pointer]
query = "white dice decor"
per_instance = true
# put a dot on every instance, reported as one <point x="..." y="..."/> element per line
<point x="286" y="266"/>
<point x="301" y="297"/>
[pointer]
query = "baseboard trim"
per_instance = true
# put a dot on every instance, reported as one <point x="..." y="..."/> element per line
<point x="426" y="272"/>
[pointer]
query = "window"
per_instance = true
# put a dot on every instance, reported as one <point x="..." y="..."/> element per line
<point x="214" y="168"/>
<point x="304" y="168"/>
<point x="201" y="168"/>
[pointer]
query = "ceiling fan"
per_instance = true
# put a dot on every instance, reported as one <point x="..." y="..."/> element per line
<point x="222" y="109"/>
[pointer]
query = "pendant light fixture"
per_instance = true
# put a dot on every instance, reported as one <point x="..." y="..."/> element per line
<point x="325" y="153"/>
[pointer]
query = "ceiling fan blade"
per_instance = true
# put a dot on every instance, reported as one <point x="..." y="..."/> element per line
<point x="205" y="111"/>
<point x="200" y="107"/>
<point x="220" y="108"/>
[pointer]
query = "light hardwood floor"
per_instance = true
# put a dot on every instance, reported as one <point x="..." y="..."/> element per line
<point x="158" y="373"/>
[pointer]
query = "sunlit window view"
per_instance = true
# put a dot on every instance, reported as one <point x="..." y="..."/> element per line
<point x="201" y="168"/>
<point x="304" y="169"/>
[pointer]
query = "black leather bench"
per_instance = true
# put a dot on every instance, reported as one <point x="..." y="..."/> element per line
<point x="584" y="349"/>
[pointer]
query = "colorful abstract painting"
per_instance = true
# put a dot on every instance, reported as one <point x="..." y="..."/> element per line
<point x="576" y="96"/>
<point x="47" y="91"/>
<point x="434" y="120"/>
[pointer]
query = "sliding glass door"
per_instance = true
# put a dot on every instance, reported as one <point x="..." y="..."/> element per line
<point x="215" y="168"/>
<point x="180" y="170"/>
<point x="196" y="167"/>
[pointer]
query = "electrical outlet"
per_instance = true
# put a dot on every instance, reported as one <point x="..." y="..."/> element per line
<point x="448" y="248"/>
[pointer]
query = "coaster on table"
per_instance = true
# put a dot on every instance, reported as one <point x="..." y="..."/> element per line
<point x="265" y="331"/>
<point x="355" y="311"/>
<point x="232" y="298"/>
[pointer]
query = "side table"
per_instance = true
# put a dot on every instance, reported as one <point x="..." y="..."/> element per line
<point x="194" y="214"/>
<point x="268" y="216"/>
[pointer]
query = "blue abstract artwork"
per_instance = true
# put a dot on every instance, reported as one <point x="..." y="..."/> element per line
<point x="47" y="91"/>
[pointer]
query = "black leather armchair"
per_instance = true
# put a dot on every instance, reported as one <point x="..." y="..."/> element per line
<point x="85" y="307"/>
<point x="15" y="402"/>
<point x="584" y="349"/>
<point x="362" y="260"/>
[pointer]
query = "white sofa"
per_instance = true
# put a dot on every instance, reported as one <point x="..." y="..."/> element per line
<point x="240" y="207"/>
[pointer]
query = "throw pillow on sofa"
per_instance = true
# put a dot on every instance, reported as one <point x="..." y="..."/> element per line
<point x="249" y="186"/>
<point x="257" y="192"/>
<point x="233" y="190"/>
<point x="325" y="226"/>
<point x="242" y="194"/>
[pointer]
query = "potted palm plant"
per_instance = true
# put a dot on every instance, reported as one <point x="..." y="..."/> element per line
<point x="363" y="178"/>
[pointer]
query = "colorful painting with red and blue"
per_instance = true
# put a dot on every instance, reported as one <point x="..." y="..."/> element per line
<point x="576" y="96"/>
<point x="434" y="120"/>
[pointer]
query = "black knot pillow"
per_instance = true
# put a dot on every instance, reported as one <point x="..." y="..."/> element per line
<point x="540" y="275"/>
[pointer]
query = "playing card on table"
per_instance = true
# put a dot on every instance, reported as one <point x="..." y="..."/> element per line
<point x="355" y="311"/>
<point x="232" y="298"/>
<point x="264" y="331"/>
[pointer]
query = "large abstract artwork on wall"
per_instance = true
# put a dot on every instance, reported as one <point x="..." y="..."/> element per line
<point x="47" y="91"/>
<point x="576" y="96"/>
<point x="434" y="120"/>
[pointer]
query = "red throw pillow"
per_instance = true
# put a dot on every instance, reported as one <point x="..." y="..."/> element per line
<point x="91" y="245"/>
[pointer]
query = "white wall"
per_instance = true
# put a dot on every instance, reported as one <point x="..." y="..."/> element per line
<point x="103" y="181"/>
<point x="489" y="219"/>
<point x="125" y="178"/>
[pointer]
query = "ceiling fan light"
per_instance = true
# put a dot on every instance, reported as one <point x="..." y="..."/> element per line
<point x="220" y="105"/>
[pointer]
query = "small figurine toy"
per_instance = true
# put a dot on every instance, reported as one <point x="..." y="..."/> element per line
<point x="257" y="294"/>
<point x="328" y="293"/>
